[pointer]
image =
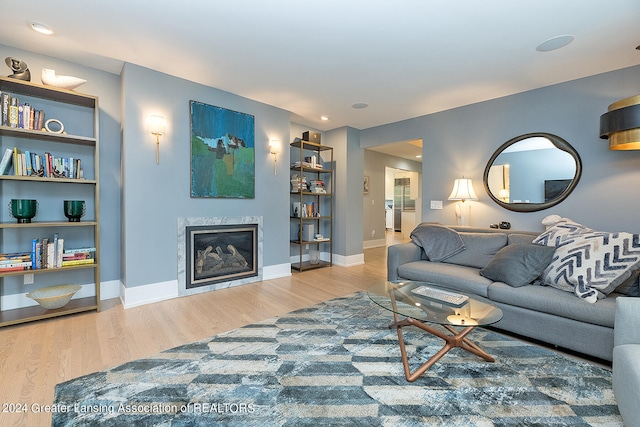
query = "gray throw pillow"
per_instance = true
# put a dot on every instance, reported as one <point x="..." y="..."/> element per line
<point x="518" y="264"/>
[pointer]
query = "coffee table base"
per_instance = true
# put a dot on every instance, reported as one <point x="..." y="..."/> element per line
<point x="457" y="339"/>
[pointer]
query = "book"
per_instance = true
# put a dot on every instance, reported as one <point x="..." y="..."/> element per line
<point x="14" y="255"/>
<point x="76" y="250"/>
<point x="6" y="101"/>
<point x="5" y="163"/>
<point x="13" y="113"/>
<point x="78" y="262"/>
<point x="27" y="115"/>
<point x="34" y="252"/>
<point x="15" y="264"/>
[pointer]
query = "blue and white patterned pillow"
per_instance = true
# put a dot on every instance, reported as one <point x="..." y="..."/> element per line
<point x="588" y="262"/>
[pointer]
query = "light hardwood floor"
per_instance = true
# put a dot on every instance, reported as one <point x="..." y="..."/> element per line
<point x="35" y="357"/>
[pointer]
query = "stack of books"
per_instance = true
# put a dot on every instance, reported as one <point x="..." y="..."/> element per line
<point x="15" y="261"/>
<point x="51" y="253"/>
<point x="20" y="115"/>
<point x="27" y="164"/>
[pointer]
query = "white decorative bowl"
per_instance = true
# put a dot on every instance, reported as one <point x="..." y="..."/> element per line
<point x="50" y="78"/>
<point x="54" y="296"/>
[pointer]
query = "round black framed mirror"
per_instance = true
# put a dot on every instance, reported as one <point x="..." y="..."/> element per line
<point x="532" y="172"/>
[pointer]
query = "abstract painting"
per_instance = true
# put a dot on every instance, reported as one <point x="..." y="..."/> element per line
<point x="222" y="152"/>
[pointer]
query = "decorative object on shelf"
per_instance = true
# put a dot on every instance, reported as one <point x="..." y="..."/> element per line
<point x="222" y="152"/>
<point x="19" y="68"/>
<point x="74" y="209"/>
<point x="23" y="209"/>
<point x="156" y="127"/>
<point x="53" y="297"/>
<point x="50" y="78"/>
<point x="275" y="147"/>
<point x="314" y="256"/>
<point x="621" y="124"/>
<point x="60" y="127"/>
<point x="462" y="191"/>
<point x="298" y="184"/>
<point x="311" y="136"/>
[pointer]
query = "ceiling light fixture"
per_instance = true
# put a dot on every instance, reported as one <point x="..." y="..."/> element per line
<point x="41" y="28"/>
<point x="360" y="105"/>
<point x="555" y="43"/>
<point x="325" y="118"/>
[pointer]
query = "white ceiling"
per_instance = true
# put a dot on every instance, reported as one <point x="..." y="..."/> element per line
<point x="405" y="58"/>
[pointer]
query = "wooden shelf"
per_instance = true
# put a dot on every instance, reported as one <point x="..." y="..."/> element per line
<point x="311" y="218"/>
<point x="42" y="179"/>
<point x="306" y="265"/>
<point x="48" y="224"/>
<point x="82" y="111"/>
<point x="47" y="270"/>
<point x="47" y="136"/>
<point x="47" y="92"/>
<point x="32" y="313"/>
<point x="323" y="202"/>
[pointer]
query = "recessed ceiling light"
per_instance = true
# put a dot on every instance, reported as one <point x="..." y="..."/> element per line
<point x="325" y="118"/>
<point x="360" y="105"/>
<point x="41" y="28"/>
<point x="555" y="43"/>
<point x="418" y="156"/>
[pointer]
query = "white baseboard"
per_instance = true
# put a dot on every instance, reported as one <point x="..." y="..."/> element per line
<point x="147" y="294"/>
<point x="368" y="244"/>
<point x="348" y="261"/>
<point x="110" y="289"/>
<point x="276" y="271"/>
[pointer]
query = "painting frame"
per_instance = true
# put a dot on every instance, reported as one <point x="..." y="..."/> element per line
<point x="222" y="160"/>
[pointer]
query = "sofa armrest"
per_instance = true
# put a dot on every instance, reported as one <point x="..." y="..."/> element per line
<point x="627" y="324"/>
<point x="401" y="254"/>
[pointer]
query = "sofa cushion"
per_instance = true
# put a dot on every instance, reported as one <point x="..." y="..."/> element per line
<point x="631" y="286"/>
<point x="438" y="242"/>
<point x="587" y="261"/>
<point x="518" y="264"/>
<point x="518" y="239"/>
<point x="457" y="277"/>
<point x="546" y="299"/>
<point x="479" y="249"/>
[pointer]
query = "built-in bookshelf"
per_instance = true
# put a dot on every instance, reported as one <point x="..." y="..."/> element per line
<point x="312" y="187"/>
<point x="50" y="153"/>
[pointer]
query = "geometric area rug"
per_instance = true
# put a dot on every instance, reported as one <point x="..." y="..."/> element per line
<point x="338" y="364"/>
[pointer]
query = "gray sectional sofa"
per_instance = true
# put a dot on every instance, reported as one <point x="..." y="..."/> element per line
<point x="540" y="312"/>
<point x="626" y="354"/>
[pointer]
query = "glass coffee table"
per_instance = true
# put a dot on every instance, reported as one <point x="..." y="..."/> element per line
<point x="413" y="309"/>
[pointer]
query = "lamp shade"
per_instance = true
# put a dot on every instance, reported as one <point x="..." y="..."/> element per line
<point x="156" y="125"/>
<point x="463" y="190"/>
<point x="275" y="146"/>
<point x="621" y="124"/>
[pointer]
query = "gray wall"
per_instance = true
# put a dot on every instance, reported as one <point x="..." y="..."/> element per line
<point x="460" y="141"/>
<point x="349" y="170"/>
<point x="156" y="195"/>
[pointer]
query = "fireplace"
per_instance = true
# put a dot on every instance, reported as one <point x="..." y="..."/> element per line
<point x="216" y="253"/>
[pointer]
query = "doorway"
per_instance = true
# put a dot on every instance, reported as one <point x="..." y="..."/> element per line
<point x="403" y="202"/>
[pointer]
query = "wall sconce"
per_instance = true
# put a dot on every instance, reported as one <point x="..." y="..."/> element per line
<point x="156" y="126"/>
<point x="275" y="147"/>
<point x="621" y="124"/>
<point x="463" y="190"/>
